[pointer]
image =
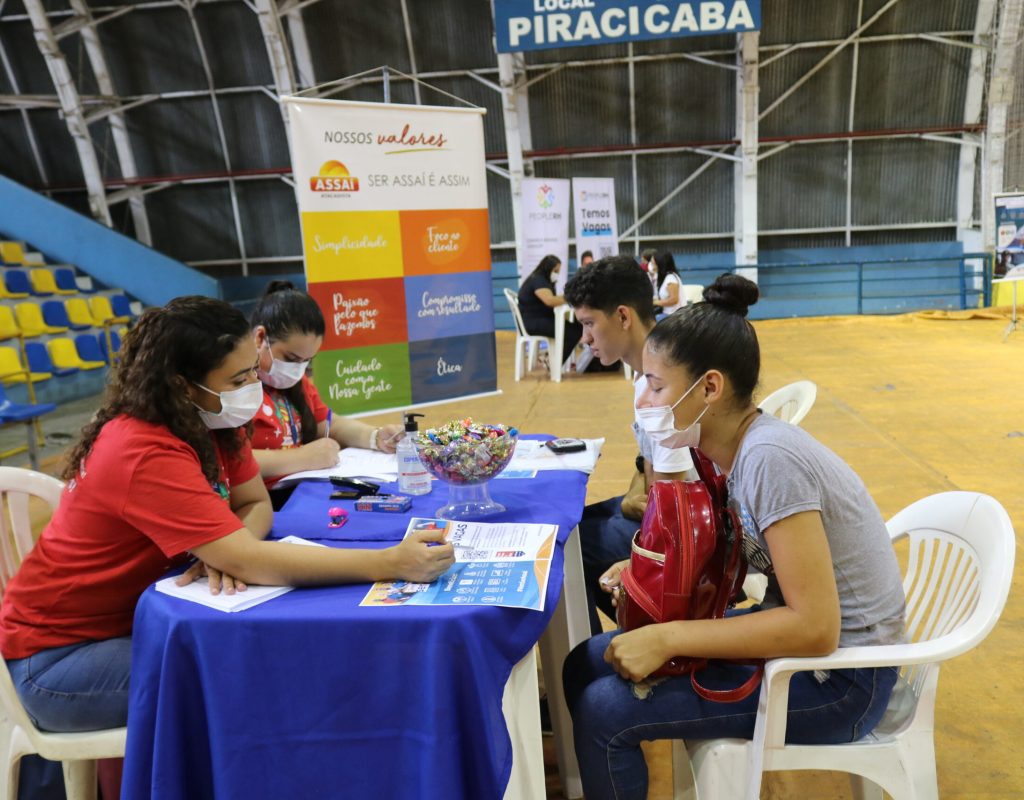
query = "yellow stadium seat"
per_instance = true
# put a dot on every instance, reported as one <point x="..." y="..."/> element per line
<point x="43" y="282"/>
<point x="12" y="252"/>
<point x="31" y="322"/>
<point x="79" y="313"/>
<point x="12" y="371"/>
<point x="64" y="355"/>
<point x="8" y="326"/>
<point x="103" y="312"/>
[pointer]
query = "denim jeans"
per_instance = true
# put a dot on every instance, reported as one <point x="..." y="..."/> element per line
<point x="605" y="538"/>
<point x="609" y="721"/>
<point x="79" y="687"/>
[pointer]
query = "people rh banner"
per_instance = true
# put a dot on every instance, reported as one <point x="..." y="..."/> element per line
<point x="545" y="225"/>
<point x="393" y="203"/>
<point x="597" y="224"/>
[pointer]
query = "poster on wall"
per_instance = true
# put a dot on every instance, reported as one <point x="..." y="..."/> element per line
<point x="395" y="234"/>
<point x="1009" y="232"/>
<point x="597" y="226"/>
<point x="545" y="225"/>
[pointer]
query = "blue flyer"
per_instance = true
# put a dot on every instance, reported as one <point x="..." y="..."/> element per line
<point x="498" y="564"/>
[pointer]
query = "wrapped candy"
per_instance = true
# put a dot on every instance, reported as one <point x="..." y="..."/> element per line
<point x="466" y="452"/>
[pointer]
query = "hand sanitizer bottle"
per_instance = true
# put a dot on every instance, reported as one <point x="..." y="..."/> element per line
<point x="413" y="477"/>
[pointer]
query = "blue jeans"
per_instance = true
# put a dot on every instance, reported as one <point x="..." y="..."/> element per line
<point x="605" y="538"/>
<point x="609" y="722"/>
<point x="79" y="687"/>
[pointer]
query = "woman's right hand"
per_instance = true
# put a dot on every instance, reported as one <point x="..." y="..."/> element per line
<point x="612" y="580"/>
<point x="321" y="453"/>
<point x="421" y="556"/>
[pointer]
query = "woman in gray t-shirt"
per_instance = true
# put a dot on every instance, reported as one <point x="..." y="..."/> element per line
<point x="808" y="523"/>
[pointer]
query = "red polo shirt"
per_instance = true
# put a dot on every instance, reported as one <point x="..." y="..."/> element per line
<point x="139" y="501"/>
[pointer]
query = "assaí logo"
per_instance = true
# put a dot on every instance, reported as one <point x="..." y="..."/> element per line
<point x="334" y="177"/>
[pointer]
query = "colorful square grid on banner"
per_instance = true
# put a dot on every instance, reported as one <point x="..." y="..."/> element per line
<point x="342" y="245"/>
<point x="360" y="313"/>
<point x="364" y="378"/>
<point x="457" y="365"/>
<point x="445" y="241"/>
<point x="449" y="305"/>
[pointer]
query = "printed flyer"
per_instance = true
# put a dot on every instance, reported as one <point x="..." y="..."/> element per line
<point x="396" y="239"/>
<point x="496" y="564"/>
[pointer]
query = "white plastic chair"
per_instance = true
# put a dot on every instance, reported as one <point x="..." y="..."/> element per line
<point x="691" y="293"/>
<point x="523" y="339"/>
<point x="792" y="402"/>
<point x="959" y="574"/>
<point x="18" y="736"/>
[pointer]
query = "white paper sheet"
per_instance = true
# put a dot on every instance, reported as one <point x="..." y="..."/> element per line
<point x="199" y="590"/>
<point x="531" y="454"/>
<point x="353" y="462"/>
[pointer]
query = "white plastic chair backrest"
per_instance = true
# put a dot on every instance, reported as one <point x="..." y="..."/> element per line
<point x="959" y="573"/>
<point x="792" y="402"/>
<point x="513" y="304"/>
<point x="692" y="292"/>
<point x="16" y="485"/>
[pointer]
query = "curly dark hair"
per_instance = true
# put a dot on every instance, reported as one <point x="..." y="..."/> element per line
<point x="283" y="310"/>
<point x="166" y="349"/>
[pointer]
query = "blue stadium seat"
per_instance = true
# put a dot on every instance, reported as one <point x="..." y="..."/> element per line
<point x="88" y="348"/>
<point x="65" y="279"/>
<point x="17" y="282"/>
<point x="115" y="344"/>
<point x="122" y="305"/>
<point x="28" y="413"/>
<point x="39" y="360"/>
<point x="55" y="314"/>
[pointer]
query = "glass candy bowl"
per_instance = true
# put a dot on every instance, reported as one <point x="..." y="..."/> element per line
<point x="467" y="455"/>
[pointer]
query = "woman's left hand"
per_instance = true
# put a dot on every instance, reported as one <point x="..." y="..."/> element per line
<point x="388" y="438"/>
<point x="219" y="581"/>
<point x="636" y="654"/>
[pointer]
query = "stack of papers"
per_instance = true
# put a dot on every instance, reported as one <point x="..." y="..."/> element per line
<point x="199" y="590"/>
<point x="353" y="462"/>
<point x="533" y="455"/>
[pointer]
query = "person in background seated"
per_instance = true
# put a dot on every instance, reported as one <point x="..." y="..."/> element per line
<point x="807" y="522"/>
<point x="667" y="285"/>
<point x="160" y="473"/>
<point x="293" y="430"/>
<point x="586" y="259"/>
<point x="612" y="300"/>
<point x="538" y="301"/>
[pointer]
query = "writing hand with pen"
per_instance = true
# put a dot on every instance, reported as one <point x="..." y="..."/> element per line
<point x="386" y="439"/>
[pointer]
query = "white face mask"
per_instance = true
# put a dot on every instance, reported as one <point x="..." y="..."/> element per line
<point x="283" y="374"/>
<point x="237" y="407"/>
<point x="659" y="423"/>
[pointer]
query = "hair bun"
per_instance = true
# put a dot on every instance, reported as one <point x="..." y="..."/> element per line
<point x="278" y="286"/>
<point x="732" y="292"/>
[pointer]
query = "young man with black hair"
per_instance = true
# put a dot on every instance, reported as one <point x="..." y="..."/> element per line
<point x="612" y="300"/>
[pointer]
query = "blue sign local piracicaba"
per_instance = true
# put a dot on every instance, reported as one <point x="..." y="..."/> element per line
<point x="545" y="24"/>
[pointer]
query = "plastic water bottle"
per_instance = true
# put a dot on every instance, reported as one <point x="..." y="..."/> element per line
<point x="413" y="477"/>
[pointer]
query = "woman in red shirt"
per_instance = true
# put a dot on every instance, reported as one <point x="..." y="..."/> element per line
<point x="292" y="430"/>
<point x="162" y="471"/>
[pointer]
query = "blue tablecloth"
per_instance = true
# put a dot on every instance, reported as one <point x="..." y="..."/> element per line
<point x="311" y="696"/>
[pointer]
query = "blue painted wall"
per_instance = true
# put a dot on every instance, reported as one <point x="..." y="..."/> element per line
<point x="67" y="237"/>
<point x="821" y="281"/>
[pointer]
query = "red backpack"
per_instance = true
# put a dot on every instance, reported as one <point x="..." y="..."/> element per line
<point x="687" y="563"/>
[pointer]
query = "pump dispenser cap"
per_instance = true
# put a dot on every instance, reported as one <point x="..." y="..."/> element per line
<point x="411" y="426"/>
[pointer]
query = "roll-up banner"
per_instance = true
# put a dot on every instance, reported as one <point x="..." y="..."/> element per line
<point x="1009" y="232"/>
<point x="393" y="203"/>
<point x="545" y="225"/>
<point x="543" y="24"/>
<point x="597" y="226"/>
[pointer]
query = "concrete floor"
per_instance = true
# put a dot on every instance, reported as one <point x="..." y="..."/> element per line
<point x="915" y="406"/>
